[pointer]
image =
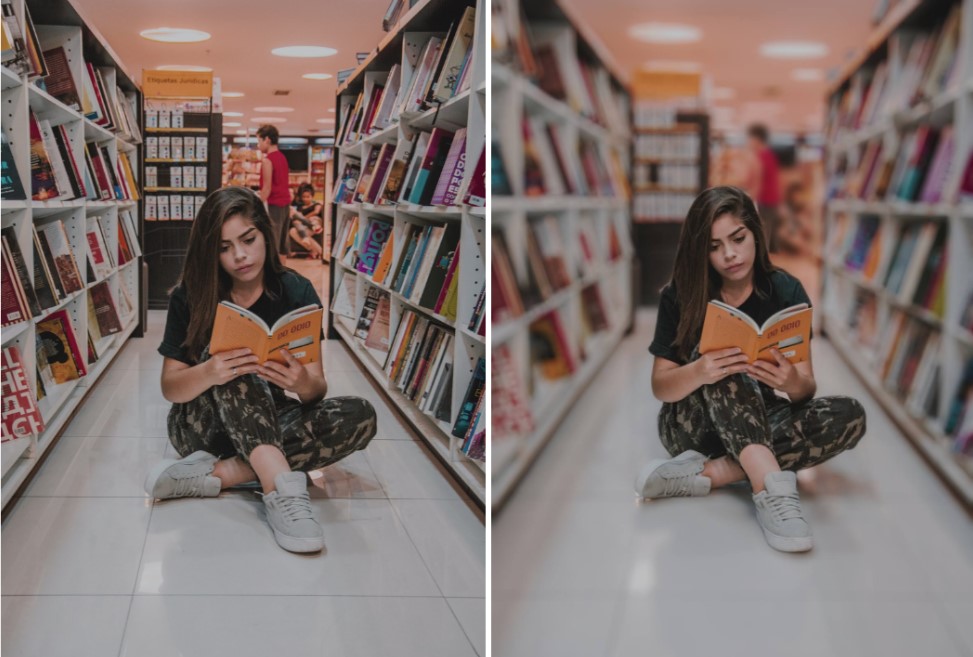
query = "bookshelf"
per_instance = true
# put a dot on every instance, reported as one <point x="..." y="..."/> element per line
<point x="561" y="251"/>
<point x="670" y="168"/>
<point x="183" y="165"/>
<point x="898" y="279"/>
<point x="427" y="380"/>
<point x="96" y="229"/>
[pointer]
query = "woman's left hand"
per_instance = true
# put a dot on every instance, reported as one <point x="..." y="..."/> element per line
<point x="291" y="375"/>
<point x="781" y="375"/>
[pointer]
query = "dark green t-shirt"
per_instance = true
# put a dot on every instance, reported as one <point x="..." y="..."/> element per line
<point x="292" y="291"/>
<point x="783" y="291"/>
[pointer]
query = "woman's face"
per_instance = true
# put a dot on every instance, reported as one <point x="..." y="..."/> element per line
<point x="732" y="249"/>
<point x="243" y="250"/>
<point x="307" y="198"/>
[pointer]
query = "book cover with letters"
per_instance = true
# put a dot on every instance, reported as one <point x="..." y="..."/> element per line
<point x="299" y="331"/>
<point x="789" y="330"/>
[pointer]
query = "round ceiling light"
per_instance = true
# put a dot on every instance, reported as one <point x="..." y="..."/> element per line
<point x="232" y="113"/>
<point x="174" y="35"/>
<point x="281" y="110"/>
<point x="794" y="49"/>
<point x="268" y="119"/>
<point x="304" y="51"/>
<point x="325" y="121"/>
<point x="665" y="33"/>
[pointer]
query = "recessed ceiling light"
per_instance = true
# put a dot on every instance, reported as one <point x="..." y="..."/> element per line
<point x="273" y="109"/>
<point x="317" y="76"/>
<point x="174" y="35"/>
<point x="807" y="74"/>
<point x="672" y="66"/>
<point x="268" y="119"/>
<point x="233" y="94"/>
<point x="241" y="132"/>
<point x="665" y="33"/>
<point x="304" y="51"/>
<point x="794" y="49"/>
<point x="723" y="93"/>
<point x="232" y="124"/>
<point x="331" y="109"/>
<point x="183" y="67"/>
<point x="325" y="120"/>
<point x="232" y="113"/>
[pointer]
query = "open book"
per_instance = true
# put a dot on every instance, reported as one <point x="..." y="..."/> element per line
<point x="299" y="331"/>
<point x="789" y="330"/>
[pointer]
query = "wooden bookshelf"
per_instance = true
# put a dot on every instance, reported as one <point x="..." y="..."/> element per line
<point x="900" y="136"/>
<point x="59" y="24"/>
<point x="464" y="110"/>
<point x="580" y="221"/>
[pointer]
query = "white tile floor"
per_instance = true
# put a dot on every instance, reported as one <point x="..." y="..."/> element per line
<point x="581" y="567"/>
<point x="91" y="567"/>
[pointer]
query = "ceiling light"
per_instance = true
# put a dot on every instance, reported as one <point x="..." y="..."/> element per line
<point x="794" y="49"/>
<point x="233" y="94"/>
<point x="325" y="121"/>
<point x="183" y="67"/>
<point x="723" y="93"/>
<point x="672" y="66"/>
<point x="304" y="51"/>
<point x="665" y="33"/>
<point x="273" y="109"/>
<point x="232" y="124"/>
<point x="268" y="119"/>
<point x="241" y="132"/>
<point x="807" y="74"/>
<point x="292" y="140"/>
<point x="317" y="76"/>
<point x="232" y="113"/>
<point x="174" y="35"/>
<point x="331" y="109"/>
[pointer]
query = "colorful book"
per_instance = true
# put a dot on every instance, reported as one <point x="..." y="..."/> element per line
<point x="373" y="244"/>
<point x="21" y="417"/>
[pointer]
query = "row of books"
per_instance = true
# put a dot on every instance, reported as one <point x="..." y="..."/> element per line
<point x="173" y="207"/>
<point x="913" y="269"/>
<point x="424" y="270"/>
<point x="510" y="413"/>
<point x="665" y="174"/>
<point x="394" y="12"/>
<point x="470" y="423"/>
<point x="435" y="67"/>
<point x="21" y="416"/>
<point x="429" y="169"/>
<point x="959" y="418"/>
<point x="921" y="169"/>
<point x="57" y="176"/>
<point x="177" y="147"/>
<point x="175" y="176"/>
<point x="552" y="167"/>
<point x="920" y="67"/>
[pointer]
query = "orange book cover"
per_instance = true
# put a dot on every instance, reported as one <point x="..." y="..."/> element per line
<point x="789" y="330"/>
<point x="384" y="263"/>
<point x="299" y="331"/>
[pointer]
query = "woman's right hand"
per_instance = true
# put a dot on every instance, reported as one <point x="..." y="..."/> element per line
<point x="228" y="365"/>
<point x="717" y="365"/>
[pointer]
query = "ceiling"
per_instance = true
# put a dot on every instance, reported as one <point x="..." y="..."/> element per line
<point x="243" y="34"/>
<point x="729" y="50"/>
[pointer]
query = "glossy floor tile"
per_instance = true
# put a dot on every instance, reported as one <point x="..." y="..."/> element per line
<point x="580" y="566"/>
<point x="91" y="567"/>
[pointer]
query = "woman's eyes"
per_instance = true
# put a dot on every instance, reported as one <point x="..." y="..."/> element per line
<point x="736" y="240"/>
<point x="226" y="247"/>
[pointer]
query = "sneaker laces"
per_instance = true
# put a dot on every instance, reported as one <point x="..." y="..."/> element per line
<point x="679" y="486"/>
<point x="189" y="486"/>
<point x="295" y="507"/>
<point x="785" y="507"/>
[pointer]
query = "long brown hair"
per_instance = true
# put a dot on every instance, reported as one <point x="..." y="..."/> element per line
<point x="693" y="277"/>
<point x="204" y="280"/>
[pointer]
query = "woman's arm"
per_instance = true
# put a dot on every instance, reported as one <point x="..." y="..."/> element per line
<point x="672" y="382"/>
<point x="182" y="382"/>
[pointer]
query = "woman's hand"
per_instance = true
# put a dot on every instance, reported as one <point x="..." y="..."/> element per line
<point x="291" y="375"/>
<point x="228" y="365"/>
<point x="717" y="365"/>
<point x="781" y="375"/>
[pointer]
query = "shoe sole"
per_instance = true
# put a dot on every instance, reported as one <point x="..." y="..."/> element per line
<point x="654" y="465"/>
<point x="789" y="543"/>
<point x="297" y="544"/>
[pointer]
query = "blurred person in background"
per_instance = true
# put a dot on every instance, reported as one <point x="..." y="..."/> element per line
<point x="765" y="182"/>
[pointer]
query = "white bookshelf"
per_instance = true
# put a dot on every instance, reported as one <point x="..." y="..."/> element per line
<point x="517" y="96"/>
<point x="466" y="109"/>
<point x="844" y="286"/>
<point x="20" y="457"/>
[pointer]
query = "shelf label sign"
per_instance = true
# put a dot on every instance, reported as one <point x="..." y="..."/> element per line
<point x="179" y="84"/>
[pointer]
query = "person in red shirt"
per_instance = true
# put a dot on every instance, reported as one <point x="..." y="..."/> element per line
<point x="274" y="184"/>
<point x="767" y="192"/>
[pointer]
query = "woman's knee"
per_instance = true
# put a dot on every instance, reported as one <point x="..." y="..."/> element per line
<point x="852" y="414"/>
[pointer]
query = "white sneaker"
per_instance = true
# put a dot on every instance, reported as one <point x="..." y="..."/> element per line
<point x="289" y="514"/>
<point x="186" y="477"/>
<point x="780" y="514"/>
<point x="675" y="477"/>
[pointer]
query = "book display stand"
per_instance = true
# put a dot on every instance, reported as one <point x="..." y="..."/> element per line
<point x="898" y="283"/>
<point x="561" y="248"/>
<point x="408" y="227"/>
<point x="71" y="137"/>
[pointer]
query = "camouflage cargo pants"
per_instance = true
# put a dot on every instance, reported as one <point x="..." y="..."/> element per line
<point x="234" y="418"/>
<point x="724" y="417"/>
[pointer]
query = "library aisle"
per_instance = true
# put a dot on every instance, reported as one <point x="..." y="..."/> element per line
<point x="582" y="567"/>
<point x="92" y="567"/>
